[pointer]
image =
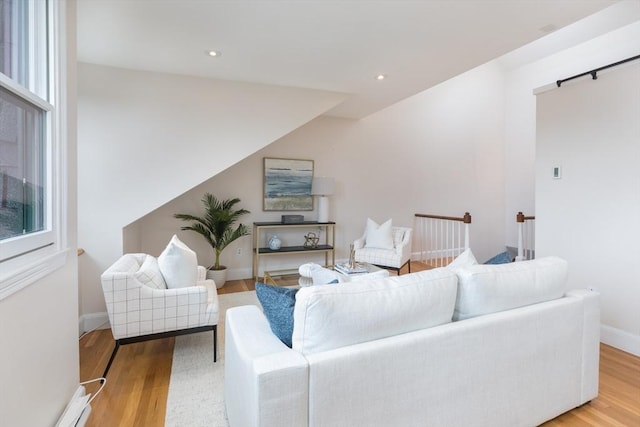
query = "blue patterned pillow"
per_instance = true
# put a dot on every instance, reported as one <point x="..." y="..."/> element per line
<point x="278" y="303"/>
<point x="502" y="258"/>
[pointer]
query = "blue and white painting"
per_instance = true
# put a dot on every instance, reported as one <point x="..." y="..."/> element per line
<point x="287" y="185"/>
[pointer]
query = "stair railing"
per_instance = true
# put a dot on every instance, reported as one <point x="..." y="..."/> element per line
<point x="526" y="237"/>
<point x="442" y="238"/>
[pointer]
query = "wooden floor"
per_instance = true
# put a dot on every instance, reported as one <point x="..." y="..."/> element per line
<point x="138" y="382"/>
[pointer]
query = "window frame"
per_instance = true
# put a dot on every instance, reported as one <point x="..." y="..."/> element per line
<point x="28" y="258"/>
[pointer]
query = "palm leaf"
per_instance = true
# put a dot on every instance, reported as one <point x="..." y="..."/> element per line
<point x="217" y="223"/>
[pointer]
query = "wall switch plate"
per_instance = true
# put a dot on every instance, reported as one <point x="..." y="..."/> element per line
<point x="557" y="172"/>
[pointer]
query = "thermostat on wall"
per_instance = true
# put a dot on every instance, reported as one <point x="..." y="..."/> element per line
<point x="557" y="172"/>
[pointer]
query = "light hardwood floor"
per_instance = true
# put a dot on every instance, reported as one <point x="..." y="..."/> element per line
<point x="138" y="382"/>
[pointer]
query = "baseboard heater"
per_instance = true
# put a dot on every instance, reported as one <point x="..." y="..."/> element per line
<point x="77" y="411"/>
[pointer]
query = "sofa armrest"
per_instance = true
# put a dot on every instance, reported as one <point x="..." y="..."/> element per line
<point x="212" y="291"/>
<point x="590" y="341"/>
<point x="404" y="248"/>
<point x="359" y="243"/>
<point x="201" y="274"/>
<point x="261" y="374"/>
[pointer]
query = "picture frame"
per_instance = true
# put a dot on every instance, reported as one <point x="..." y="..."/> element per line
<point x="287" y="184"/>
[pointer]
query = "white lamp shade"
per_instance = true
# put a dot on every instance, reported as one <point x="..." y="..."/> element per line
<point x="322" y="186"/>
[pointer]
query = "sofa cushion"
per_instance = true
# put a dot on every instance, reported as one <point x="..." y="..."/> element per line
<point x="149" y="274"/>
<point x="327" y="317"/>
<point x="178" y="264"/>
<point x="484" y="289"/>
<point x="277" y="303"/>
<point x="378" y="236"/>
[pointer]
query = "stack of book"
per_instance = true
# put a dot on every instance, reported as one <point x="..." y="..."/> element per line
<point x="345" y="269"/>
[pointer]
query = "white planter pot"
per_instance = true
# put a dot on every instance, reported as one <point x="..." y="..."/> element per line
<point x="218" y="276"/>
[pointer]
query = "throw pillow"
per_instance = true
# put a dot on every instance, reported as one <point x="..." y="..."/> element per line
<point x="178" y="264"/>
<point x="150" y="275"/>
<point x="378" y="236"/>
<point x="277" y="304"/>
<point x="306" y="270"/>
<point x="501" y="258"/>
<point x="465" y="259"/>
<point x="324" y="276"/>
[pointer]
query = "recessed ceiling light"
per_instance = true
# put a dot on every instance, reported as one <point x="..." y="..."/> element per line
<point x="213" y="53"/>
<point x="381" y="77"/>
<point x="549" y="28"/>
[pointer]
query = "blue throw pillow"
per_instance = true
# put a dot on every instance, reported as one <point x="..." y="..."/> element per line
<point x="502" y="258"/>
<point x="278" y="303"/>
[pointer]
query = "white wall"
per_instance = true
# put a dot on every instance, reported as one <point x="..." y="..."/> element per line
<point x="145" y="138"/>
<point x="589" y="216"/>
<point x="520" y="106"/>
<point x="39" y="324"/>
<point x="438" y="152"/>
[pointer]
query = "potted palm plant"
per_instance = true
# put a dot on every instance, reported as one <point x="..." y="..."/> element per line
<point x="217" y="228"/>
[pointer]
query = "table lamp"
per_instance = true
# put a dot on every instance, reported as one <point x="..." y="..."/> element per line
<point x="322" y="187"/>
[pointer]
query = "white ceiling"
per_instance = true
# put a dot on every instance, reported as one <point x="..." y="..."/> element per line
<point x="334" y="45"/>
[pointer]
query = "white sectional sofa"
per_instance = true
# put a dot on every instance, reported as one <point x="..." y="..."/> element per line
<point x="387" y="353"/>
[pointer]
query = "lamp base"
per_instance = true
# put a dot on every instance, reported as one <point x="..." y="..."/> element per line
<point x="323" y="209"/>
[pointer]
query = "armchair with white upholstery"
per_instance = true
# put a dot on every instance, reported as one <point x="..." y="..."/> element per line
<point x="393" y="256"/>
<point x="141" y="307"/>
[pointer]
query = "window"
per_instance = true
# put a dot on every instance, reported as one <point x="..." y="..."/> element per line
<point x="31" y="161"/>
<point x="22" y="167"/>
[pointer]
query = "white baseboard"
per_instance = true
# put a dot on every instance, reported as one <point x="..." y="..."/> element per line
<point x="620" y="339"/>
<point x="239" y="273"/>
<point x="91" y="321"/>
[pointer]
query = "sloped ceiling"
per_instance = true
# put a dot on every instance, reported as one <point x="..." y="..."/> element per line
<point x="340" y="46"/>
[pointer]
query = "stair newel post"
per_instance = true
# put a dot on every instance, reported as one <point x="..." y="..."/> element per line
<point x="467" y="221"/>
<point x="520" y="221"/>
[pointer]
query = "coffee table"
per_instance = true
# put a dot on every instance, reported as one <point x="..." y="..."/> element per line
<point x="373" y="271"/>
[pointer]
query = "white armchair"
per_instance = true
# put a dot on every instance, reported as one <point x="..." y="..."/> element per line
<point x="141" y="308"/>
<point x="394" y="258"/>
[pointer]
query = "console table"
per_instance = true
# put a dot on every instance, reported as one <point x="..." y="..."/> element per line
<point x="326" y="247"/>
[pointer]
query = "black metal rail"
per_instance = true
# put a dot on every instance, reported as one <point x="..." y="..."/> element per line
<point x="594" y="73"/>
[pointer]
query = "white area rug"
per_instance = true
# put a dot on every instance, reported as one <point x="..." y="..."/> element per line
<point x="196" y="387"/>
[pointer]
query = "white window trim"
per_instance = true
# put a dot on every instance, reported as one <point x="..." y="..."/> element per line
<point x="20" y="271"/>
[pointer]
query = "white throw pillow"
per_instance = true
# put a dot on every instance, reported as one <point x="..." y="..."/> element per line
<point x="150" y="275"/>
<point x="378" y="236"/>
<point x="178" y="264"/>
<point x="465" y="259"/>
<point x="324" y="276"/>
<point x="306" y="270"/>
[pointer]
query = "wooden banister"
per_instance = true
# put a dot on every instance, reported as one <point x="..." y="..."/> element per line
<point x="520" y="217"/>
<point x="466" y="218"/>
<point x="442" y="237"/>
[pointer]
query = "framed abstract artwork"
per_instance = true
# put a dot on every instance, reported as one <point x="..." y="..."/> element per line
<point x="287" y="185"/>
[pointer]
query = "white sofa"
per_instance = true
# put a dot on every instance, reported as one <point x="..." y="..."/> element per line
<point x="386" y="352"/>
